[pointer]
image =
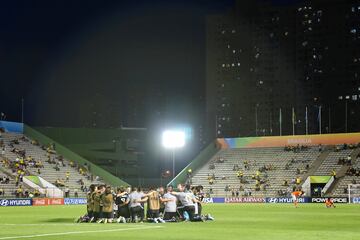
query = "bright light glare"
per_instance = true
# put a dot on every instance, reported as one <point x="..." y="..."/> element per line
<point x="173" y="139"/>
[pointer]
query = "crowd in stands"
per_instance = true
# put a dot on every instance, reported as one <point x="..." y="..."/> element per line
<point x="353" y="171"/>
<point x="296" y="148"/>
<point x="345" y="146"/>
<point x="4" y="179"/>
<point x="345" y="161"/>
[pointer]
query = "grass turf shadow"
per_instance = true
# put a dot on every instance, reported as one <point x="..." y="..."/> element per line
<point x="59" y="220"/>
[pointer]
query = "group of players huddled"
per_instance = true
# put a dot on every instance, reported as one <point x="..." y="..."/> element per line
<point x="128" y="205"/>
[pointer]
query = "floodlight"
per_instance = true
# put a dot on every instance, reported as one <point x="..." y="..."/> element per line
<point x="173" y="139"/>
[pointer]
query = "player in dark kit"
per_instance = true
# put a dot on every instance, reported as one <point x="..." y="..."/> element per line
<point x="122" y="201"/>
<point x="199" y="195"/>
<point x="90" y="200"/>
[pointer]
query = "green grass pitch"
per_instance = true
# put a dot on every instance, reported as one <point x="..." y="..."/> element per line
<point x="232" y="221"/>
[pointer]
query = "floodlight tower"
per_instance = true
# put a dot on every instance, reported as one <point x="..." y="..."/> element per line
<point x="173" y="139"/>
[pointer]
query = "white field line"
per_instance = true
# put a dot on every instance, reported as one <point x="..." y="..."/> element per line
<point x="80" y="232"/>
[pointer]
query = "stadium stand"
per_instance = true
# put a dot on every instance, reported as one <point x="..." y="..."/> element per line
<point x="352" y="176"/>
<point x="41" y="161"/>
<point x="274" y="166"/>
<point x="273" y="171"/>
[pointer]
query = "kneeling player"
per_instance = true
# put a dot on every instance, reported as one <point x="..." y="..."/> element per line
<point x="107" y="200"/>
<point x="136" y="209"/>
<point x="329" y="203"/>
<point x="153" y="203"/>
<point x="170" y="200"/>
<point x="187" y="200"/>
<point x="296" y="195"/>
<point x="122" y="201"/>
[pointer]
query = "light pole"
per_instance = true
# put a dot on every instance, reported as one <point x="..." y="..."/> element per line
<point x="173" y="139"/>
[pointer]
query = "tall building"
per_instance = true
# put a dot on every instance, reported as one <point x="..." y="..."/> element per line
<point x="283" y="69"/>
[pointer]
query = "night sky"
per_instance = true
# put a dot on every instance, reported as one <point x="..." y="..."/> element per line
<point x="80" y="63"/>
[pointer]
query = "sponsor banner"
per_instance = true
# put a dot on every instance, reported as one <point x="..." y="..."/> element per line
<point x="15" y="202"/>
<point x="287" y="200"/>
<point x="244" y="200"/>
<point x="55" y="201"/>
<point x="280" y="141"/>
<point x="47" y="201"/>
<point x="39" y="202"/>
<point x="14" y="127"/>
<point x="213" y="200"/>
<point x="334" y="199"/>
<point x="356" y="200"/>
<point x="74" y="201"/>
